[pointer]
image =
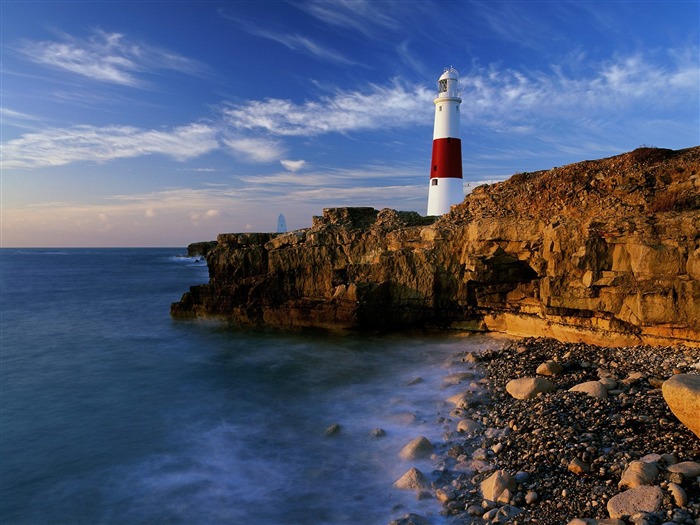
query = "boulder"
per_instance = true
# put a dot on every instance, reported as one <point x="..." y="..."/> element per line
<point x="682" y="395"/>
<point x="592" y="388"/>
<point x="688" y="469"/>
<point x="638" y="473"/>
<point x="528" y="387"/>
<point x="550" y="368"/>
<point x="493" y="486"/>
<point x="632" y="501"/>
<point x="419" y="448"/>
<point x="413" y="479"/>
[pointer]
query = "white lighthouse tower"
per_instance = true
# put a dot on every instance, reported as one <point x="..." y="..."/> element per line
<point x="446" y="187"/>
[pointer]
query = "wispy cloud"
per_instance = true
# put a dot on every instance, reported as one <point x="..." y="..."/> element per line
<point x="360" y="15"/>
<point x="293" y="41"/>
<point x="293" y="165"/>
<point x="106" y="57"/>
<point x="378" y="107"/>
<point x="59" y="146"/>
<point x="254" y="149"/>
<point x="516" y="102"/>
<point x="496" y="96"/>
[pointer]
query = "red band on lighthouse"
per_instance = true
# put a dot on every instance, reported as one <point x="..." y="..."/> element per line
<point x="447" y="158"/>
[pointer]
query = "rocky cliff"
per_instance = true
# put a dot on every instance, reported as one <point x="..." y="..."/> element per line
<point x="604" y="251"/>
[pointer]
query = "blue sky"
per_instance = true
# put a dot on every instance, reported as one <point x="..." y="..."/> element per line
<point x="158" y="123"/>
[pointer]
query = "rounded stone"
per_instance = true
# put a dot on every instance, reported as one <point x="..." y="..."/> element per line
<point x="550" y="368"/>
<point x="528" y="387"/>
<point x="531" y="497"/>
<point x="419" y="448"/>
<point x="688" y="469"/>
<point x="682" y="395"/>
<point x="638" y="473"/>
<point x="578" y="467"/>
<point x="632" y="501"/>
<point x="680" y="498"/>
<point x="468" y="426"/>
<point x="592" y="388"/>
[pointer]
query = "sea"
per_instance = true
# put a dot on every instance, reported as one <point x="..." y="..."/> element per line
<point x="112" y="412"/>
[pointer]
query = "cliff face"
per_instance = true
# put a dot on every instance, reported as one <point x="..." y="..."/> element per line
<point x="603" y="251"/>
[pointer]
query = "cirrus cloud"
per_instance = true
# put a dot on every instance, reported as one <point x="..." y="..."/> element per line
<point x="59" y="146"/>
<point x="106" y="57"/>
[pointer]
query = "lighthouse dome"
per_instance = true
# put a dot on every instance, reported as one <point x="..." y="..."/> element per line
<point x="448" y="84"/>
<point x="450" y="73"/>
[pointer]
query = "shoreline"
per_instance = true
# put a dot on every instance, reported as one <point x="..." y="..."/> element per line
<point x="564" y="453"/>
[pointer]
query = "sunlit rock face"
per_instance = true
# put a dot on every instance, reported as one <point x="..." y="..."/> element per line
<point x="604" y="251"/>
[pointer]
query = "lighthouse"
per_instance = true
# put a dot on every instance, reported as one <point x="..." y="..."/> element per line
<point x="446" y="187"/>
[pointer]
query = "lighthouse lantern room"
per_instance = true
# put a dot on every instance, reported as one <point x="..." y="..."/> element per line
<point x="446" y="188"/>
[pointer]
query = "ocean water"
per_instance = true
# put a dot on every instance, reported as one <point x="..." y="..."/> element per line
<point x="113" y="413"/>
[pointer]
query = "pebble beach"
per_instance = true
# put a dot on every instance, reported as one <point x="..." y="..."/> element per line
<point x="599" y="445"/>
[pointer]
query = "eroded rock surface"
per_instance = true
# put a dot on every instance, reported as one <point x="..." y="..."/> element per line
<point x="604" y="251"/>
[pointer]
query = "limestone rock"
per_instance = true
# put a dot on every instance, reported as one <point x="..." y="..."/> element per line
<point x="413" y="479"/>
<point x="493" y="486"/>
<point x="638" y="473"/>
<point x="419" y="448"/>
<point x="444" y="495"/>
<point x="682" y="394"/>
<point x="468" y="426"/>
<point x="639" y="499"/>
<point x="680" y="498"/>
<point x="578" y="467"/>
<point x="528" y="387"/>
<point x="531" y="497"/>
<point x="410" y="519"/>
<point x="550" y="368"/>
<point x="606" y="254"/>
<point x="688" y="469"/>
<point x="377" y="433"/>
<point x="505" y="514"/>
<point x="592" y="388"/>
<point x="591" y="521"/>
<point x="462" y="400"/>
<point x="609" y="383"/>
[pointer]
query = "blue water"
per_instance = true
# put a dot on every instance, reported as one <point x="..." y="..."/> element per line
<point x="113" y="413"/>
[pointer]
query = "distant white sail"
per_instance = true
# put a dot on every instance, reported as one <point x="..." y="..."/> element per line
<point x="281" y="224"/>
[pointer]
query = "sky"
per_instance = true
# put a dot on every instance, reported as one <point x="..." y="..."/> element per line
<point x="160" y="123"/>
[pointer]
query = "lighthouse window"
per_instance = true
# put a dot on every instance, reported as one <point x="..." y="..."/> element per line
<point x="435" y="167"/>
<point x="434" y="182"/>
<point x="440" y="108"/>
